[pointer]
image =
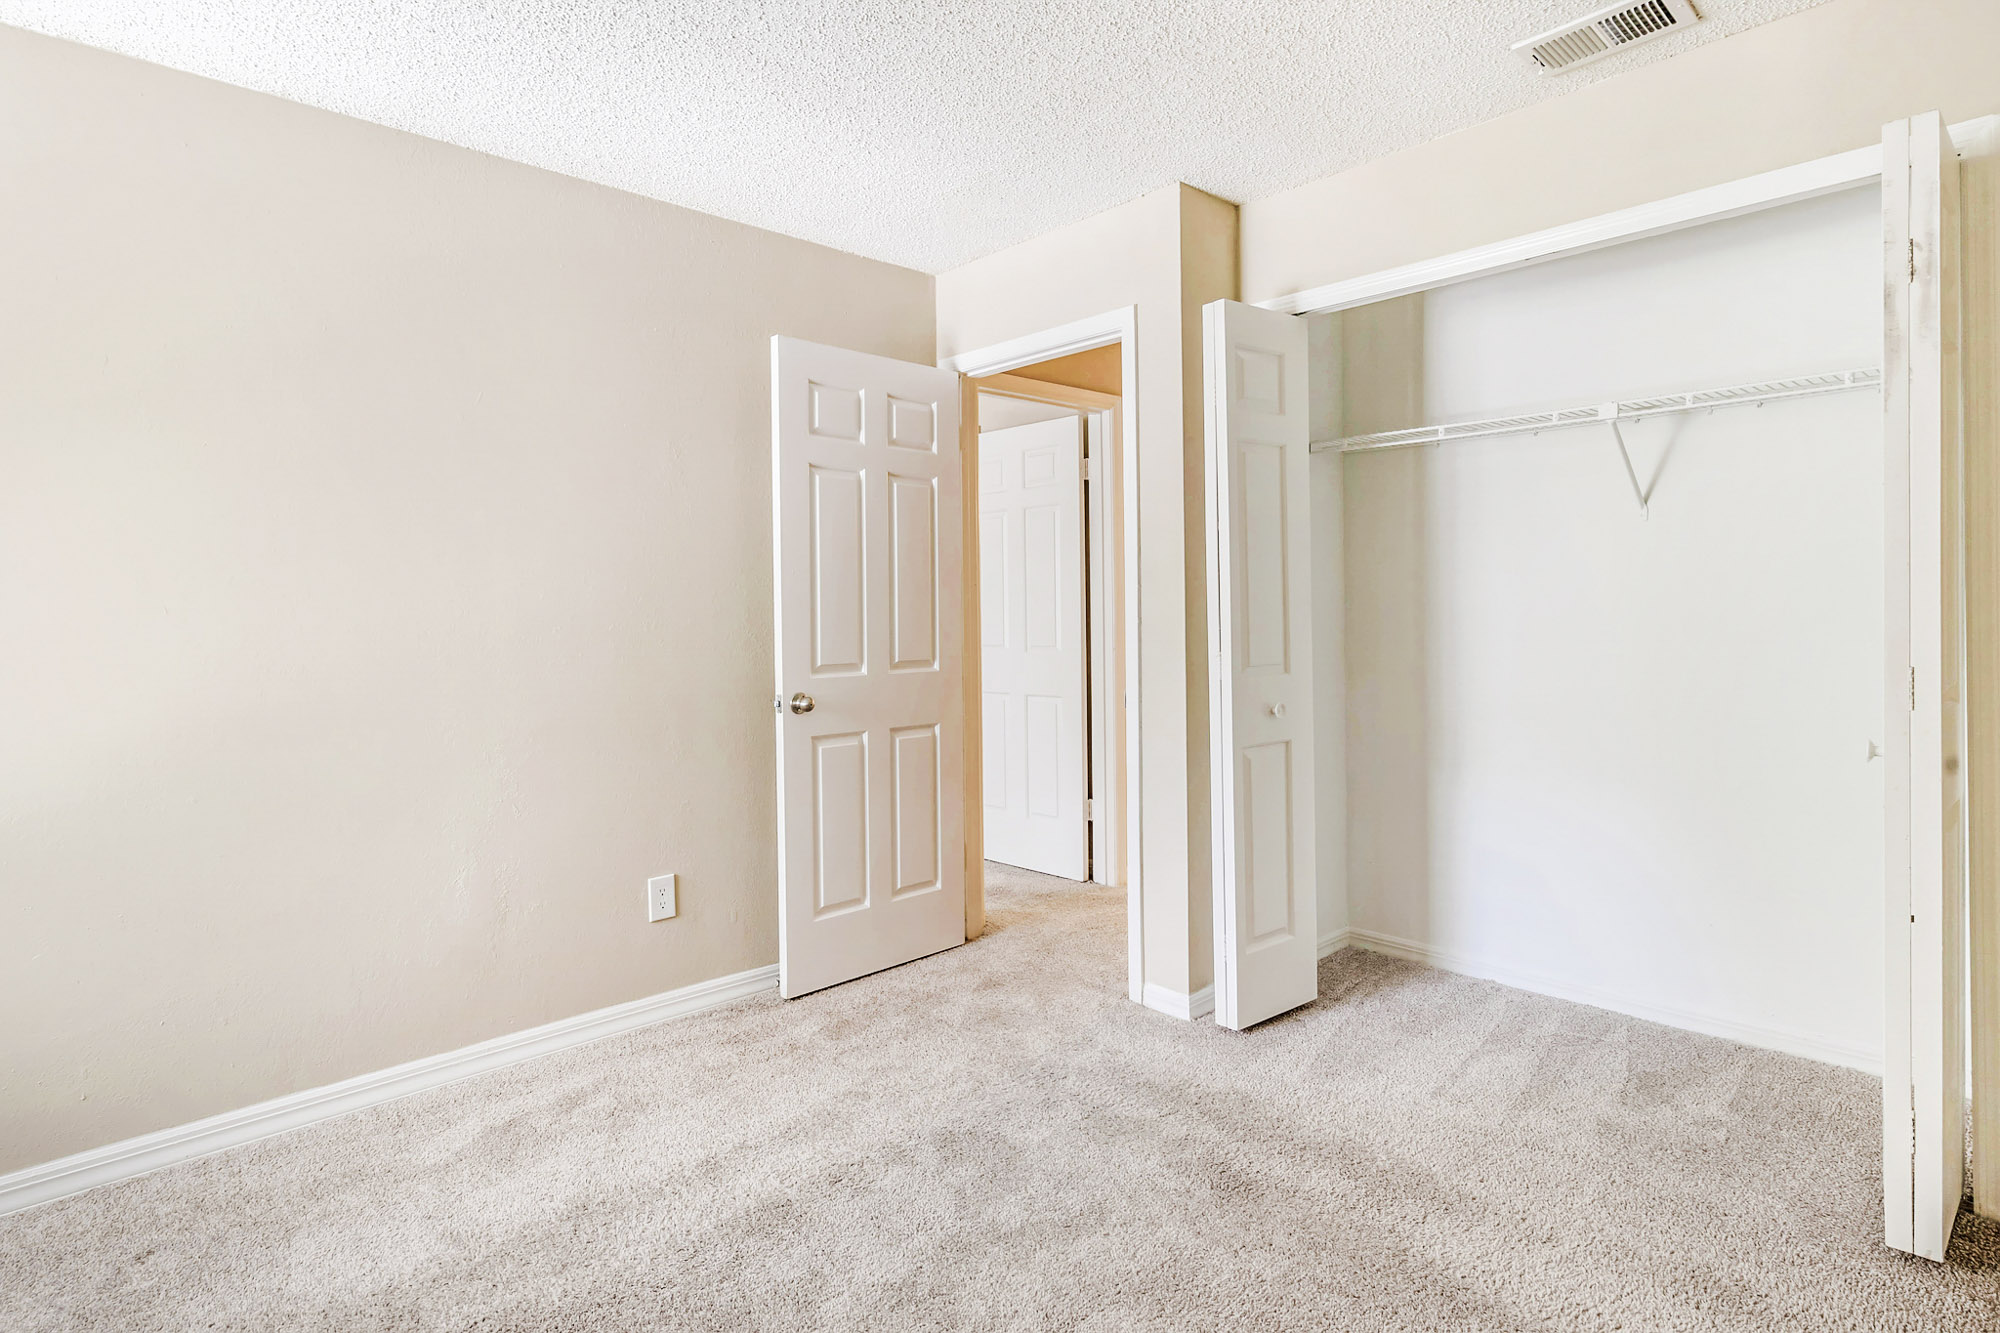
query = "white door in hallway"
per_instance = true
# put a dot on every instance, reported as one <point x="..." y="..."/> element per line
<point x="867" y="529"/>
<point x="1032" y="627"/>
<point x="1260" y="672"/>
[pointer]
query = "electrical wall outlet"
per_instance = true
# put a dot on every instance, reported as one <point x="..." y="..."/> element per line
<point x="661" y="897"/>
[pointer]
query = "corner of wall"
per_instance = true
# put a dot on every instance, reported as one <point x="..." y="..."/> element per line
<point x="1167" y="253"/>
<point x="1209" y="251"/>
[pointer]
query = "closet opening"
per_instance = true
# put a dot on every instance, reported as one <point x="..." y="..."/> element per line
<point x="1612" y="557"/>
<point x="1589" y="615"/>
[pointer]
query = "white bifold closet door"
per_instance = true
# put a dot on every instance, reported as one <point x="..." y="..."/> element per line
<point x="867" y="522"/>
<point x="1923" y="1084"/>
<point x="1260" y="671"/>
<point x="1033" y="671"/>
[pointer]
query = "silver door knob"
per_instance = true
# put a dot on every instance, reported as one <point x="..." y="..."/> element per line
<point x="802" y="703"/>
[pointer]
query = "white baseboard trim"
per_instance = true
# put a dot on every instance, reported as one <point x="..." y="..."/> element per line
<point x="149" y="1152"/>
<point x="1770" y="1039"/>
<point x="1202" y="1003"/>
<point x="1176" y="1005"/>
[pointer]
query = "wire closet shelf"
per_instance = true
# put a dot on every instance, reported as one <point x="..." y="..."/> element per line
<point x="1629" y="409"/>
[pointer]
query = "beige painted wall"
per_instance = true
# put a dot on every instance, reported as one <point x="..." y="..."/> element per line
<point x="1209" y="245"/>
<point x="1980" y="220"/>
<point x="1816" y="83"/>
<point x="387" y="541"/>
<point x="1160" y="253"/>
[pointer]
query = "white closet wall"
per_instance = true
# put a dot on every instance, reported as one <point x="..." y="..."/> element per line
<point x="1616" y="758"/>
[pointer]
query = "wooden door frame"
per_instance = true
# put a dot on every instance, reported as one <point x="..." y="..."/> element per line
<point x="1119" y="490"/>
<point x="1979" y="138"/>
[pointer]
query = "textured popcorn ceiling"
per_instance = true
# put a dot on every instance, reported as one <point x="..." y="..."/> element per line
<point x="923" y="132"/>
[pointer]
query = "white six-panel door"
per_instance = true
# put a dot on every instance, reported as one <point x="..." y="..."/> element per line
<point x="1923" y="1091"/>
<point x="1032" y="627"/>
<point x="868" y="529"/>
<point x="1261" y="682"/>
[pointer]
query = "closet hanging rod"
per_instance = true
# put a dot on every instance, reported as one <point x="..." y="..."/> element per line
<point x="1629" y="409"/>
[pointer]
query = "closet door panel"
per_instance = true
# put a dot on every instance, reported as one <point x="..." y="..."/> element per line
<point x="1261" y="684"/>
<point x="1923" y="1092"/>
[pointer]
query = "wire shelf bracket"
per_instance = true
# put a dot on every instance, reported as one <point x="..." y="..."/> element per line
<point x="1631" y="473"/>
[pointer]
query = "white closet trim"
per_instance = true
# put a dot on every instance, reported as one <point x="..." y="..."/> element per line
<point x="1806" y="180"/>
<point x="1597" y="414"/>
<point x="1868" y="1061"/>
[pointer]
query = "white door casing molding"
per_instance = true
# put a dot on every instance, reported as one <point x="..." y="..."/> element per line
<point x="1082" y="335"/>
<point x="868" y="518"/>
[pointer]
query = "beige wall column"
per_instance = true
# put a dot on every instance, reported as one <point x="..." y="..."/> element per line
<point x="1208" y="273"/>
<point x="1158" y="253"/>
<point x="1980" y="218"/>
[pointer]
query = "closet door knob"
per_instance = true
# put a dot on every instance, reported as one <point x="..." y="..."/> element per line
<point x="802" y="703"/>
<point x="1277" y="710"/>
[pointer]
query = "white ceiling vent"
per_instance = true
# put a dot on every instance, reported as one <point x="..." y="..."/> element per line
<point x="1605" y="31"/>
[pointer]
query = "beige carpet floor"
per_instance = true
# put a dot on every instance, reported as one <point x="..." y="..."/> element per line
<point x="996" y="1138"/>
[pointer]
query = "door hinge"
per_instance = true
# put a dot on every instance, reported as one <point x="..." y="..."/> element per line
<point x="1090" y="469"/>
<point x="1913" y="259"/>
<point x="1089" y="808"/>
<point x="1913" y="689"/>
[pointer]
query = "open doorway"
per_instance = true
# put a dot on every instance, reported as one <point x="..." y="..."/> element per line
<point x="1046" y="615"/>
<point x="1043" y="367"/>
